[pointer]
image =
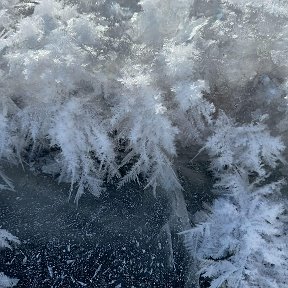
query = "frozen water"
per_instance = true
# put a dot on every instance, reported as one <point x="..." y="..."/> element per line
<point x="117" y="240"/>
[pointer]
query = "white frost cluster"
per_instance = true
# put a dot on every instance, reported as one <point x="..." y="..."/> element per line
<point x="112" y="91"/>
<point x="6" y="239"/>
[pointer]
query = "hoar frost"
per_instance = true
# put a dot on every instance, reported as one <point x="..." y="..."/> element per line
<point x="113" y="91"/>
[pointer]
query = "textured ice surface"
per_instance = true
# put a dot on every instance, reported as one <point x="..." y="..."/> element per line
<point x="118" y="240"/>
<point x="107" y="242"/>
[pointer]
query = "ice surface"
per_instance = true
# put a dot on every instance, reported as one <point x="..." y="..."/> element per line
<point x="122" y="238"/>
